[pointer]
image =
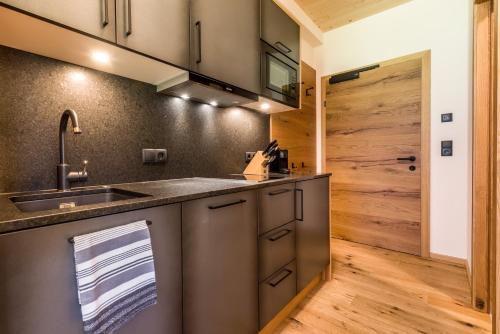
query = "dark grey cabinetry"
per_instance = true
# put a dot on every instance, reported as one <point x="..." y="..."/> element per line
<point x="279" y="30"/>
<point x="159" y="28"/>
<point x="96" y="17"/>
<point x="225" y="41"/>
<point x="38" y="285"/>
<point x="219" y="250"/>
<point x="276" y="206"/>
<point x="312" y="229"/>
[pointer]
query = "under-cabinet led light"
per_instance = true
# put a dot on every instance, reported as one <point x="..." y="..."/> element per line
<point x="265" y="106"/>
<point x="185" y="97"/>
<point x="101" y="57"/>
<point x="214" y="103"/>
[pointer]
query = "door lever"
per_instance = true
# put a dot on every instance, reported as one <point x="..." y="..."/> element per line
<point x="410" y="158"/>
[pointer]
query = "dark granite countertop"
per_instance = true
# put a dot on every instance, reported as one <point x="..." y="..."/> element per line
<point x="159" y="193"/>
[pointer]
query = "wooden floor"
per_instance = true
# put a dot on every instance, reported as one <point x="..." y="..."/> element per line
<point x="379" y="291"/>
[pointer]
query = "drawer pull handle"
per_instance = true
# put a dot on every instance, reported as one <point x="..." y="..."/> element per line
<point x="279" y="192"/>
<point x="215" y="207"/>
<point x="284" y="274"/>
<point x="279" y="235"/>
<point x="301" y="205"/>
<point x="105" y="13"/>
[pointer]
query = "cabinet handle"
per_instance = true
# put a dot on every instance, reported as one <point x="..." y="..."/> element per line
<point x="282" y="47"/>
<point x="215" y="207"/>
<point x="128" y="18"/>
<point x="279" y="235"/>
<point x="279" y="192"/>
<point x="284" y="274"/>
<point x="198" y="30"/>
<point x="105" y="13"/>
<point x="301" y="205"/>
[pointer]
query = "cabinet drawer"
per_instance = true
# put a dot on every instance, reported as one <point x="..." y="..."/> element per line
<point x="276" y="249"/>
<point x="276" y="292"/>
<point x="277" y="205"/>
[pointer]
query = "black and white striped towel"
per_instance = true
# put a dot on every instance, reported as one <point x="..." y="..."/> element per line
<point x="115" y="276"/>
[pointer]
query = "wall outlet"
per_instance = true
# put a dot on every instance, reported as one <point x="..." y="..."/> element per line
<point x="447" y="148"/>
<point x="154" y="156"/>
<point x="249" y="156"/>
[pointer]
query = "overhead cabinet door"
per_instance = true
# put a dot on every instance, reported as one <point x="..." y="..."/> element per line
<point x="96" y="17"/>
<point x="279" y="30"/>
<point x="225" y="41"/>
<point x="159" y="28"/>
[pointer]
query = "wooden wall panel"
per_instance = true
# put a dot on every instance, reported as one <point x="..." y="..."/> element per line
<point x="481" y="157"/>
<point x="295" y="130"/>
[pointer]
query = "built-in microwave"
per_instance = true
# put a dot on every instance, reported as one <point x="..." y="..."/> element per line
<point x="279" y="76"/>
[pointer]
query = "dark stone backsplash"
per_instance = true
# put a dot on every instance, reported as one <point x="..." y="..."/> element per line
<point x="118" y="117"/>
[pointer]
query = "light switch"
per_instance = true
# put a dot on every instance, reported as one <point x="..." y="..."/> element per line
<point x="447" y="148"/>
<point x="446" y="118"/>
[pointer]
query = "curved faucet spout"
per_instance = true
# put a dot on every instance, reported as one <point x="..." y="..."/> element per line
<point x="68" y="113"/>
<point x="64" y="175"/>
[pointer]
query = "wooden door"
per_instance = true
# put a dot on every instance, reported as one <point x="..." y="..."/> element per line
<point x="370" y="123"/>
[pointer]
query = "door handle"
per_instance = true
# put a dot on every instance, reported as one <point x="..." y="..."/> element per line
<point x="105" y="13"/>
<point x="410" y="158"/>
<point x="198" y="34"/>
<point x="301" y="205"/>
<point x="281" y="277"/>
<point x="279" y="235"/>
<point x="215" y="207"/>
<point x="128" y="17"/>
<point x="282" y="47"/>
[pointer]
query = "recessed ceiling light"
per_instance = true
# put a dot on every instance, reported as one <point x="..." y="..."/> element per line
<point x="101" y="57"/>
<point x="265" y="106"/>
<point x="185" y="96"/>
<point x="214" y="103"/>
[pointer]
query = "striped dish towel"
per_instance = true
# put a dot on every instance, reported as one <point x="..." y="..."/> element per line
<point x="115" y="276"/>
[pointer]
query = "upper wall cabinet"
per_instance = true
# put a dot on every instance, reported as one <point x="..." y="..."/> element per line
<point x="225" y="41"/>
<point x="159" y="28"/>
<point x="96" y="17"/>
<point x="279" y="30"/>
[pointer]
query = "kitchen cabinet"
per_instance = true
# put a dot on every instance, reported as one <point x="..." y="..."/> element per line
<point x="219" y="249"/>
<point x="93" y="17"/>
<point x="38" y="292"/>
<point x="279" y="30"/>
<point x="312" y="229"/>
<point x="225" y="41"/>
<point x="159" y="28"/>
<point x="276" y="206"/>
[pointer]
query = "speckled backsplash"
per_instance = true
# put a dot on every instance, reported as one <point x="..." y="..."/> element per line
<point x="118" y="118"/>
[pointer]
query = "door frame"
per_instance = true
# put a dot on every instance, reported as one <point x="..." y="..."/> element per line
<point x="425" y="126"/>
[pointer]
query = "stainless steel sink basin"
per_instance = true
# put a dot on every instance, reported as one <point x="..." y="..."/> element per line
<point x="69" y="199"/>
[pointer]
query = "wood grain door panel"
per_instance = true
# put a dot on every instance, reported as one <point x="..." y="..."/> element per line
<point x="370" y="122"/>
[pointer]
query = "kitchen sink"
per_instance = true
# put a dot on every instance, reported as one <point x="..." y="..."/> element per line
<point x="70" y="199"/>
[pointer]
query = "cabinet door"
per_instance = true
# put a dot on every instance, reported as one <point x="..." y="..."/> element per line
<point x="159" y="28"/>
<point x="96" y="17"/>
<point x="312" y="229"/>
<point x="219" y="250"/>
<point x="225" y="41"/>
<point x="38" y="292"/>
<point x="279" y="30"/>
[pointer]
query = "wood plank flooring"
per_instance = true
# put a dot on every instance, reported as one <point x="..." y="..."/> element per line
<point x="375" y="290"/>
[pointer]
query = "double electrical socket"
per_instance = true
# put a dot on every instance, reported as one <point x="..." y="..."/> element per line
<point x="154" y="156"/>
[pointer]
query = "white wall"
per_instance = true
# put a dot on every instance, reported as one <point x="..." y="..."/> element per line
<point x="444" y="27"/>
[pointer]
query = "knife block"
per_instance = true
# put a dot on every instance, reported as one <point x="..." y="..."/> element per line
<point x="255" y="166"/>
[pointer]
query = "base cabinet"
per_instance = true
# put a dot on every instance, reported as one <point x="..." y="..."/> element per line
<point x="38" y="292"/>
<point x="312" y="229"/>
<point x="219" y="250"/>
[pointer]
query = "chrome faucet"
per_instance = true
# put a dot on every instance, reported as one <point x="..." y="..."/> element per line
<point x="64" y="175"/>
